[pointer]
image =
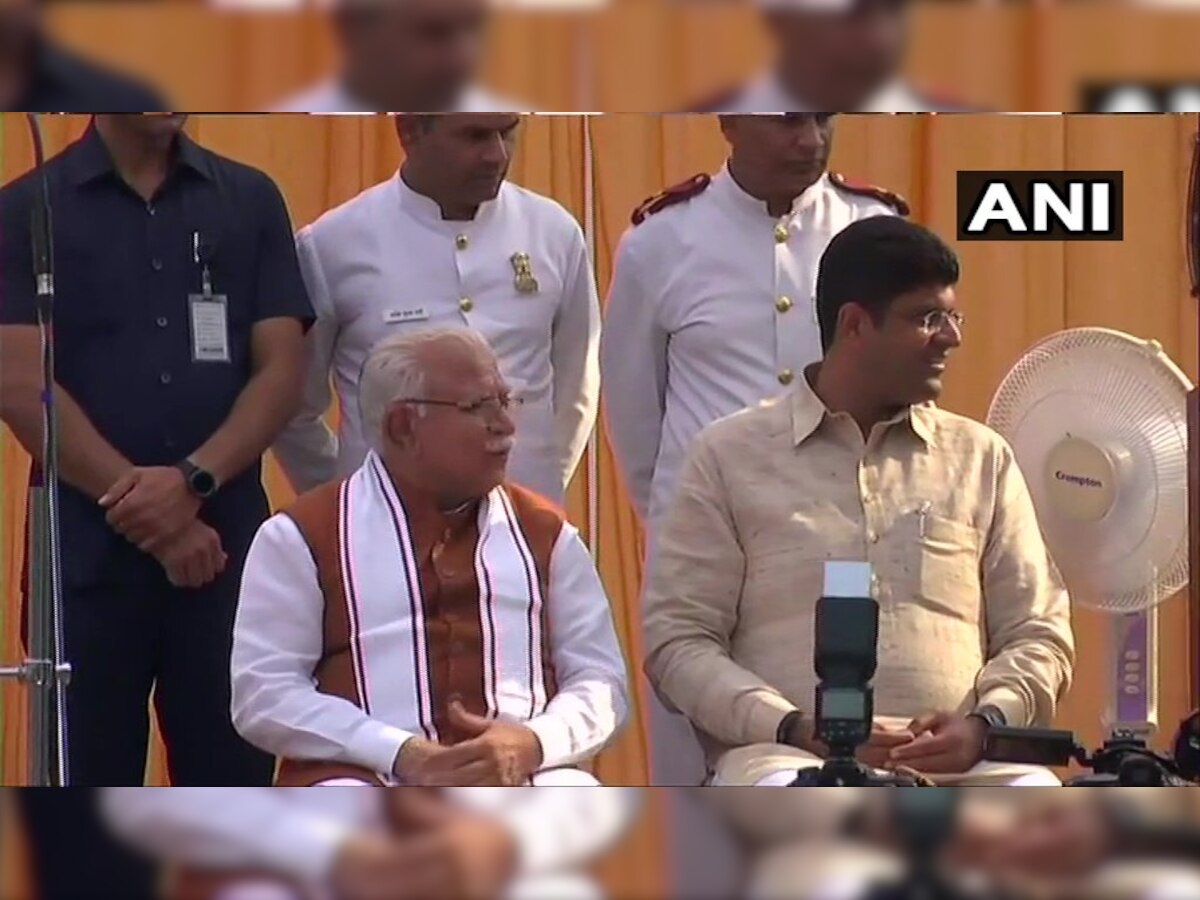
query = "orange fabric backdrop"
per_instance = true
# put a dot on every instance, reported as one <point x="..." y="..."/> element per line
<point x="647" y="56"/>
<point x="1013" y="293"/>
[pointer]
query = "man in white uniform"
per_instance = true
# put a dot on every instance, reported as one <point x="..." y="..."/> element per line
<point x="448" y="241"/>
<point x="342" y="843"/>
<point x="836" y="56"/>
<point x="414" y="56"/>
<point x="424" y="621"/>
<point x="711" y="310"/>
<point x="711" y="304"/>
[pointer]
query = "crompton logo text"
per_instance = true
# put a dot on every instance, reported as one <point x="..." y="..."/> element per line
<point x="1040" y="206"/>
<point x="1081" y="480"/>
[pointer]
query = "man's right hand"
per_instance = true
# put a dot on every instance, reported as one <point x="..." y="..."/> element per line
<point x="194" y="558"/>
<point x="884" y="739"/>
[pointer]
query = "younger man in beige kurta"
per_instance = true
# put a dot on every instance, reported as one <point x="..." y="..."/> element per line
<point x="973" y="614"/>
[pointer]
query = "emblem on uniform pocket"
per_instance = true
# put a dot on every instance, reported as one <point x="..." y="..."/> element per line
<point x="523" y="269"/>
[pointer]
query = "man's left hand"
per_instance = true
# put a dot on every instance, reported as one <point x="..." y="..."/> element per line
<point x="495" y="754"/>
<point x="150" y="505"/>
<point x="944" y="744"/>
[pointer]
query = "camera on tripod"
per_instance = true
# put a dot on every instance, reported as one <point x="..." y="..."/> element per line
<point x="1125" y="759"/>
<point x="845" y="652"/>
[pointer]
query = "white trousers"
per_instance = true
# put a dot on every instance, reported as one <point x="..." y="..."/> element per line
<point x="350" y="806"/>
<point x="543" y="887"/>
<point x="776" y="765"/>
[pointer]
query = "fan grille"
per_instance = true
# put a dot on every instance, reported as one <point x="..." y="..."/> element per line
<point x="1124" y="394"/>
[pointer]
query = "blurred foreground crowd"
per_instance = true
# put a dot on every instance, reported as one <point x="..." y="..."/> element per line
<point x="820" y="844"/>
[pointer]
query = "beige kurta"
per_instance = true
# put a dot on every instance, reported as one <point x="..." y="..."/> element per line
<point x="972" y="609"/>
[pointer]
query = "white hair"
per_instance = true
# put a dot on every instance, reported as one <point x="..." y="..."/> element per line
<point x="397" y="368"/>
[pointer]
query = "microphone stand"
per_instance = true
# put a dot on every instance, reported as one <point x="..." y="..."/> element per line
<point x="44" y="670"/>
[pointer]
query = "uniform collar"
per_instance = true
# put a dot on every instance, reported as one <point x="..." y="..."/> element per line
<point x="729" y="190"/>
<point x="427" y="211"/>
<point x="92" y="160"/>
<point x="333" y="96"/>
<point x="768" y="94"/>
<point x="808" y="411"/>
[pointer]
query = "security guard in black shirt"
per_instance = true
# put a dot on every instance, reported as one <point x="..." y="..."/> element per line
<point x="179" y="322"/>
<point x="37" y="75"/>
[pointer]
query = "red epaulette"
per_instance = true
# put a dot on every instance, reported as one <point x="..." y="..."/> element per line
<point x="891" y="198"/>
<point x="944" y="102"/>
<point x="685" y="190"/>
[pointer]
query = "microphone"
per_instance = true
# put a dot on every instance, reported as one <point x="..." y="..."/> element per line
<point x="41" y="226"/>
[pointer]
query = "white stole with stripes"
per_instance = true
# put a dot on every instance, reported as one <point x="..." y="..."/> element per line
<point x="381" y="583"/>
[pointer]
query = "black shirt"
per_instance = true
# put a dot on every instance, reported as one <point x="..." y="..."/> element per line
<point x="63" y="82"/>
<point x="124" y="270"/>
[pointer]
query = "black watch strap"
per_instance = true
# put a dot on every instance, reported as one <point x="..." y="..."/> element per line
<point x="200" y="482"/>
<point x="787" y="726"/>
<point x="992" y="716"/>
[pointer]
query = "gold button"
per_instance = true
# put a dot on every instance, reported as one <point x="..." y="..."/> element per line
<point x="781" y="233"/>
<point x="461" y="242"/>
<point x="786" y="376"/>
<point x="783" y="304"/>
<point x="466" y="304"/>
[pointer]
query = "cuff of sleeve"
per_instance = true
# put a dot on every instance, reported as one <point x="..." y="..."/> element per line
<point x="764" y="719"/>
<point x="1009" y="702"/>
<point x="311" y="845"/>
<point x="555" y="737"/>
<point x="376" y="746"/>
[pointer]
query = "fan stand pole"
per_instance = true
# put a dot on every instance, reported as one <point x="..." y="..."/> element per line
<point x="1194" y="539"/>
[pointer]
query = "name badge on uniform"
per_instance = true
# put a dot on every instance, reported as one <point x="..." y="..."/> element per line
<point x="210" y="328"/>
<point x="400" y="316"/>
<point x="525" y="283"/>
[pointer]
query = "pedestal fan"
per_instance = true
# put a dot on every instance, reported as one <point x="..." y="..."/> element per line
<point x="1098" y="422"/>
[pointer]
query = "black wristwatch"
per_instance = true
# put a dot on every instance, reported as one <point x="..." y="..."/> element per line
<point x="786" y="726"/>
<point x="992" y="716"/>
<point x="200" y="482"/>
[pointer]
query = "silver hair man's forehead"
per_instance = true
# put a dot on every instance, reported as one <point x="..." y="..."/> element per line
<point x="397" y="368"/>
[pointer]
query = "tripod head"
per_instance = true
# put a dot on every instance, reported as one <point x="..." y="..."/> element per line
<point x="845" y="653"/>
<point x="1125" y="759"/>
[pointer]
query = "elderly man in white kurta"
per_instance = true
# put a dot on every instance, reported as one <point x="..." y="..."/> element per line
<point x="342" y="844"/>
<point x="448" y="241"/>
<point x="424" y="621"/>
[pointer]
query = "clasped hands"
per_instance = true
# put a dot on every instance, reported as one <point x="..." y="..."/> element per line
<point x="437" y="851"/>
<point x="938" y="743"/>
<point x="153" y="508"/>
<point x="493" y="753"/>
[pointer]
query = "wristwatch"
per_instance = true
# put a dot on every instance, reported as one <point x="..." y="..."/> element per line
<point x="783" y="734"/>
<point x="992" y="716"/>
<point x="200" y="482"/>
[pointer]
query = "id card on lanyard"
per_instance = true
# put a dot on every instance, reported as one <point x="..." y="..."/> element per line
<point x="208" y="314"/>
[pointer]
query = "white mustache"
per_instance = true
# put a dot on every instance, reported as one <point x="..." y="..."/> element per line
<point x="500" y="445"/>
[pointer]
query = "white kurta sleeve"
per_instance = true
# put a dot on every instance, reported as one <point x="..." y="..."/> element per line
<point x="559" y="828"/>
<point x="277" y="642"/>
<point x="307" y="448"/>
<point x="574" y="356"/>
<point x="592" y="679"/>
<point x="230" y="828"/>
<point x="633" y="365"/>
